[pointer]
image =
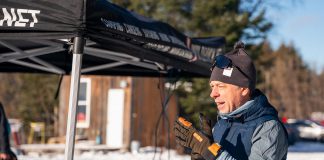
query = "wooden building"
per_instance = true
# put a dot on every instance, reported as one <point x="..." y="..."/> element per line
<point x="116" y="110"/>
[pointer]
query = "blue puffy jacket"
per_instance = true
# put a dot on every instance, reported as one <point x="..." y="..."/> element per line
<point x="252" y="132"/>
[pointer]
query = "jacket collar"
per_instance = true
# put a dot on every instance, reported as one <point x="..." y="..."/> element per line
<point x="252" y="109"/>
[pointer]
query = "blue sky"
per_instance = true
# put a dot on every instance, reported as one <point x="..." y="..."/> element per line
<point x="302" y="24"/>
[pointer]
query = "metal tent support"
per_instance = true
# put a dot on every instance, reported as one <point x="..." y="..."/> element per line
<point x="74" y="90"/>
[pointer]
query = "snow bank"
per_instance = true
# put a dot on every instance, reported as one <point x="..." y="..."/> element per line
<point x="299" y="151"/>
<point x="146" y="153"/>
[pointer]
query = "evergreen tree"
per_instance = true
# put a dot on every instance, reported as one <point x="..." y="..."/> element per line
<point x="233" y="19"/>
<point x="292" y="87"/>
<point x="30" y="98"/>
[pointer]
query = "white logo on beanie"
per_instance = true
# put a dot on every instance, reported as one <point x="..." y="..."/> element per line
<point x="228" y="71"/>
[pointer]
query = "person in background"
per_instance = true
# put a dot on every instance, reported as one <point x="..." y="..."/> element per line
<point x="5" y="151"/>
<point x="248" y="127"/>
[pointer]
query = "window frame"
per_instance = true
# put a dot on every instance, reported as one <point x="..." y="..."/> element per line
<point x="86" y="103"/>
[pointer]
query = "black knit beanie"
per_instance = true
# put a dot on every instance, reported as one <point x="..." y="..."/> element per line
<point x="242" y="73"/>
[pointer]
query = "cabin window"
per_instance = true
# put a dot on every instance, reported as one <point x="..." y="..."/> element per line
<point x="83" y="109"/>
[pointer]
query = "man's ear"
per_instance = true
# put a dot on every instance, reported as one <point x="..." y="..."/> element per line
<point x="245" y="91"/>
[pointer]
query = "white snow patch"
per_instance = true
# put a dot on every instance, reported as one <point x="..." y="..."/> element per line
<point x="299" y="151"/>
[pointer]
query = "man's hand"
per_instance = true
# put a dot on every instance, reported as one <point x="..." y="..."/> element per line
<point x="206" y="125"/>
<point x="4" y="156"/>
<point x="188" y="136"/>
<point x="206" y="129"/>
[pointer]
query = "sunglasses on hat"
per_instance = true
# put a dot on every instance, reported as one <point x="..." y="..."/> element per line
<point x="224" y="62"/>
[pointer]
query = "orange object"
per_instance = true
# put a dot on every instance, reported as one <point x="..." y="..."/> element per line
<point x="184" y="122"/>
<point x="197" y="136"/>
<point x="214" y="148"/>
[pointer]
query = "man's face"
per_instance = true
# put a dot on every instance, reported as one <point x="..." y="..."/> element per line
<point x="228" y="97"/>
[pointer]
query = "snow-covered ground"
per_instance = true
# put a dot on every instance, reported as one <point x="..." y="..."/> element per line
<point x="306" y="151"/>
<point x="299" y="151"/>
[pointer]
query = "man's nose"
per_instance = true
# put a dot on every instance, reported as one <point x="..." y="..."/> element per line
<point x="214" y="93"/>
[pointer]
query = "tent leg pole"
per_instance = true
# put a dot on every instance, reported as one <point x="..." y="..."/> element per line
<point x="73" y="101"/>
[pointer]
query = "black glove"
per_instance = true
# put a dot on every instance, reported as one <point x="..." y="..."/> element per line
<point x="187" y="136"/>
<point x="206" y="129"/>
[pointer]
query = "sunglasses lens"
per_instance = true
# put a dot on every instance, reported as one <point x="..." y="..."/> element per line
<point x="222" y="62"/>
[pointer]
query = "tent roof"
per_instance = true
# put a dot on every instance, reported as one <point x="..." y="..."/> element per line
<point x="33" y="38"/>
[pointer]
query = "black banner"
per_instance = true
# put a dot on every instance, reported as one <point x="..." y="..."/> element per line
<point x="42" y="19"/>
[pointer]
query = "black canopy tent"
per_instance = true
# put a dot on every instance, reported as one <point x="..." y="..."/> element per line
<point x="105" y="39"/>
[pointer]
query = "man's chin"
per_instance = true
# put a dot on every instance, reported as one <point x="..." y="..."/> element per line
<point x="222" y="112"/>
<point x="222" y="109"/>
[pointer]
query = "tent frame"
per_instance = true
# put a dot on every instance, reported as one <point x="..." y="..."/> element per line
<point x="73" y="101"/>
<point x="80" y="47"/>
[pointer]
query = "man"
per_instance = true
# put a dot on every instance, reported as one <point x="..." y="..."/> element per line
<point x="248" y="127"/>
<point x="5" y="151"/>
